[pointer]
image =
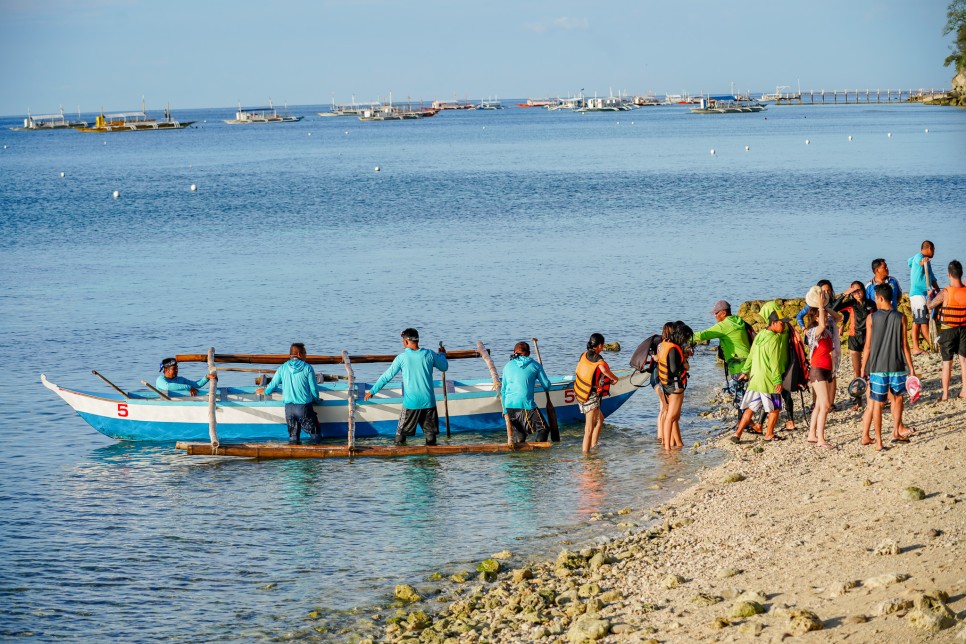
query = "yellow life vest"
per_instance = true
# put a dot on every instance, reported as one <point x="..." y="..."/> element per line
<point x="588" y="373"/>
<point x="663" y="373"/>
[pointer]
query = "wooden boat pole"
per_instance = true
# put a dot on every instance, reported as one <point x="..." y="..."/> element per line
<point x="351" y="398"/>
<point x="155" y="390"/>
<point x="445" y="394"/>
<point x="281" y="358"/>
<point x="121" y="391"/>
<point x="551" y="412"/>
<point x="496" y="386"/>
<point x="212" y="392"/>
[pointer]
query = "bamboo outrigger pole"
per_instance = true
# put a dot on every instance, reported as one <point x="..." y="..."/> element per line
<point x="445" y="395"/>
<point x="212" y="387"/>
<point x="281" y="358"/>
<point x="496" y="386"/>
<point x="351" y="398"/>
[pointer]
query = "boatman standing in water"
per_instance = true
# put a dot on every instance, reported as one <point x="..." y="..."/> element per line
<point x="419" y="398"/>
<point x="520" y="377"/>
<point x="300" y="391"/>
<point x="170" y="382"/>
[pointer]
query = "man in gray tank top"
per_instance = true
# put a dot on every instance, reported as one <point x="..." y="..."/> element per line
<point x="885" y="360"/>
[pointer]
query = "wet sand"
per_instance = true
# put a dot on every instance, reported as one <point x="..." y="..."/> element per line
<point x="783" y="539"/>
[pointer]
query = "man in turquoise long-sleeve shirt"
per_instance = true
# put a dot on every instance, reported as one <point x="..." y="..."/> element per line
<point x="300" y="392"/>
<point x="170" y="382"/>
<point x="520" y="376"/>
<point x="419" y="398"/>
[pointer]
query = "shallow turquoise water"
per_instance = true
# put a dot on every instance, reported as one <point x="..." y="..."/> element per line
<point x="492" y="226"/>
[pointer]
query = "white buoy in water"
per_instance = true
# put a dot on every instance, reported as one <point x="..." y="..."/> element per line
<point x="117" y="194"/>
<point x="632" y="122"/>
<point x="927" y="130"/>
<point x="712" y="151"/>
<point x="376" y="168"/>
<point x="888" y="135"/>
<point x="61" y="175"/>
<point x="310" y="134"/>
<point x="193" y="187"/>
<point x="347" y="132"/>
<point x="807" y="142"/>
<point x="850" y="137"/>
<point x="4" y="147"/>
<point x="747" y="148"/>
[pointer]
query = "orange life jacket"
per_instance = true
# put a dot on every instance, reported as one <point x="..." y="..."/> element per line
<point x="589" y="380"/>
<point x="953" y="311"/>
<point x="663" y="374"/>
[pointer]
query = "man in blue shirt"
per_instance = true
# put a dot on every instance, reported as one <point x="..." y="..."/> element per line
<point x="300" y="392"/>
<point x="921" y="279"/>
<point x="419" y="398"/>
<point x="519" y="380"/>
<point x="170" y="382"/>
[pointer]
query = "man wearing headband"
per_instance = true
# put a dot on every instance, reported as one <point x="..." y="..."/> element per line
<point x="170" y="382"/>
<point x="520" y="377"/>
<point x="300" y="392"/>
<point x="419" y="398"/>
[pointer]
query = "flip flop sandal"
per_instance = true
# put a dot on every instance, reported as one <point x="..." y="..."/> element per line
<point x="901" y="439"/>
<point x="776" y="437"/>
<point x="734" y="439"/>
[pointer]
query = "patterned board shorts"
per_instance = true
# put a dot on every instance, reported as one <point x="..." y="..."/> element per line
<point x="881" y="383"/>
<point x="592" y="403"/>
<point x="756" y="401"/>
<point x="428" y="419"/>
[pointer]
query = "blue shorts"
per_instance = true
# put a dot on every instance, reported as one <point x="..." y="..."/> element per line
<point x="880" y="384"/>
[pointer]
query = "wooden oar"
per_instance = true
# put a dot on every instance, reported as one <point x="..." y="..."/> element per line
<point x="156" y="390"/>
<point x="445" y="395"/>
<point x="122" y="392"/>
<point x="551" y="412"/>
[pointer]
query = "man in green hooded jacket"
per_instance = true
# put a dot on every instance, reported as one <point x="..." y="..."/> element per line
<point x="765" y="368"/>
<point x="731" y="331"/>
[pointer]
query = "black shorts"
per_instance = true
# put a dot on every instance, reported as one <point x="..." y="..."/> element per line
<point x="673" y="388"/>
<point x="427" y="418"/>
<point x="525" y="422"/>
<point x="856" y="343"/>
<point x="817" y="374"/>
<point x="952" y="342"/>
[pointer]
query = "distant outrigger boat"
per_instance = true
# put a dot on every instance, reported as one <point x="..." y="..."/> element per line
<point x="490" y="105"/>
<point x="539" y="102"/>
<point x="727" y="104"/>
<point x="605" y="104"/>
<point x="134" y="122"/>
<point x="261" y="115"/>
<point x="49" y="122"/>
<point x="243" y="415"/>
<point x="453" y="105"/>
<point x="649" y="100"/>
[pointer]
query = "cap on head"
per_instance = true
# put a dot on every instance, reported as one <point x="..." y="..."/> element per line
<point x="410" y="334"/>
<point x="720" y="305"/>
<point x="773" y="317"/>
<point x="168" y="362"/>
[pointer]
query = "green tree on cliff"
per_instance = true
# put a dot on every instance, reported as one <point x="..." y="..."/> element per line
<point x="956" y="24"/>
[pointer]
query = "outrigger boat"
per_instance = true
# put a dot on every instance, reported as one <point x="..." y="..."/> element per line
<point x="134" y="122"/>
<point x="243" y="415"/>
<point x="727" y="104"/>
<point x="261" y="115"/>
<point x="49" y="122"/>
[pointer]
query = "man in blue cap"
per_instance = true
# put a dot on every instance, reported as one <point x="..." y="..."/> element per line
<point x="520" y="376"/>
<point x="300" y="391"/>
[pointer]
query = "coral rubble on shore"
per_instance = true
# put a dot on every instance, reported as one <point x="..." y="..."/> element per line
<point x="784" y="539"/>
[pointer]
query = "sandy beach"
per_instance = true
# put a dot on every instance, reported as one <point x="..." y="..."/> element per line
<point x="784" y="539"/>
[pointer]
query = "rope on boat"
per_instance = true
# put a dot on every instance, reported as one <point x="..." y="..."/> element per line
<point x="351" y="398"/>
<point x="212" y="391"/>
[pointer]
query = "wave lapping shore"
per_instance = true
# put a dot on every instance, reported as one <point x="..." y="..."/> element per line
<point x="784" y="539"/>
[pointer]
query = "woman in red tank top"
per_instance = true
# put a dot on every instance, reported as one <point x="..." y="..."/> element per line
<point x="821" y="374"/>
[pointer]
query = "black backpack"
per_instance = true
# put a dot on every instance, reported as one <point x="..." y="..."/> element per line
<point x="643" y="358"/>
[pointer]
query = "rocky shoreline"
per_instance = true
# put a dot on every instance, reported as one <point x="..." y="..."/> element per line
<point x="784" y="539"/>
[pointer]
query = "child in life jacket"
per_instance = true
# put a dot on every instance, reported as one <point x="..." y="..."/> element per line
<point x="592" y="382"/>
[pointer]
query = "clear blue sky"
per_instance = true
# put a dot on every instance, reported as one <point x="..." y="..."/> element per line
<point x="212" y="53"/>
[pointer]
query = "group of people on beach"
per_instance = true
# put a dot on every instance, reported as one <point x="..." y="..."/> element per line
<point x="764" y="368"/>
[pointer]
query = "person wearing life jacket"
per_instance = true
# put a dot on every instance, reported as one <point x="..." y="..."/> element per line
<point x="672" y="373"/>
<point x="591" y="383"/>
<point x="951" y="302"/>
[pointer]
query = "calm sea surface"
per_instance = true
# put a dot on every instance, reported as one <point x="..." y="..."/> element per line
<point x="493" y="226"/>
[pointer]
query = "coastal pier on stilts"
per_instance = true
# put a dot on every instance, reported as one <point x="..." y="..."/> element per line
<point x="858" y="96"/>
